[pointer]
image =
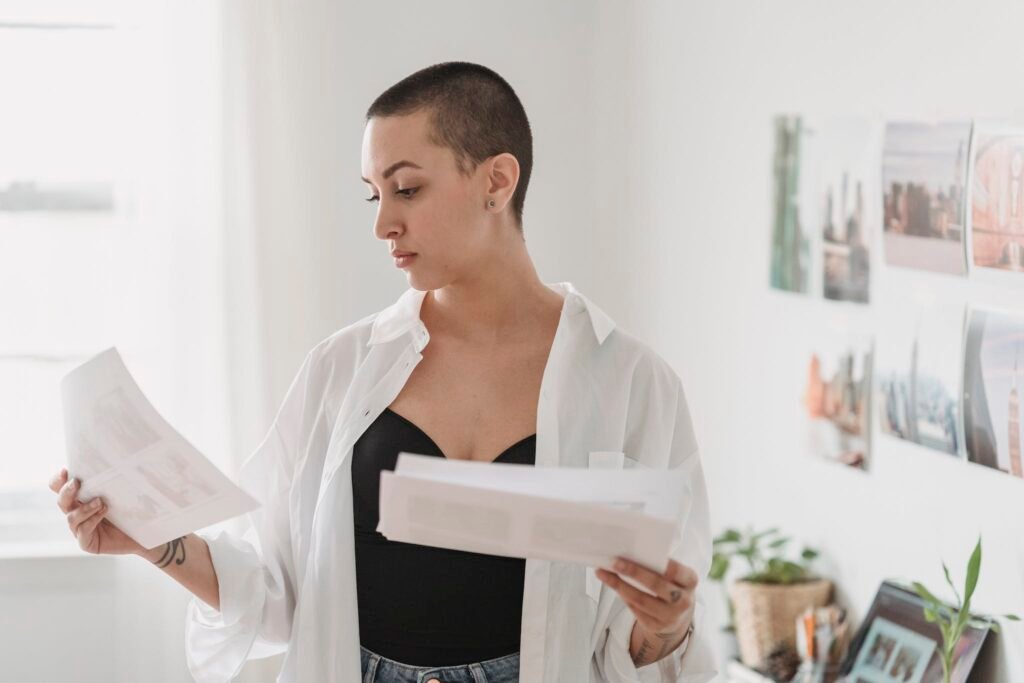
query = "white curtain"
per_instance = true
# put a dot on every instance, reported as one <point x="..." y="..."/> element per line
<point x="275" y="144"/>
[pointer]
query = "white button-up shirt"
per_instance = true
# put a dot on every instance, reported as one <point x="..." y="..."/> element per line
<point x="288" y="584"/>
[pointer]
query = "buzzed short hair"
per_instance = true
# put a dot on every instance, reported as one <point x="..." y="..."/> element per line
<point x="474" y="112"/>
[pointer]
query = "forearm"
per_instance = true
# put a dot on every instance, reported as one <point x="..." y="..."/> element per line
<point x="187" y="560"/>
<point x="646" y="648"/>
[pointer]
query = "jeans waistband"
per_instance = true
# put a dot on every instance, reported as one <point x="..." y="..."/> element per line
<point x="498" y="670"/>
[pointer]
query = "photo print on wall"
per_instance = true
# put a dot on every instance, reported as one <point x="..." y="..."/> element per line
<point x="791" y="244"/>
<point x="993" y="383"/>
<point x="997" y="199"/>
<point x="919" y="361"/>
<point x="837" y="399"/>
<point x="846" y="168"/>
<point x="924" y="177"/>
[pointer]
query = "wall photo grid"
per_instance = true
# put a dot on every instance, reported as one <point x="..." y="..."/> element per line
<point x="945" y="197"/>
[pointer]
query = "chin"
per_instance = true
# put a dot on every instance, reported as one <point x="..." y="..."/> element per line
<point x="421" y="283"/>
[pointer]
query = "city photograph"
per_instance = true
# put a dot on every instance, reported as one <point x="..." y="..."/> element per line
<point x="919" y="360"/>
<point x="924" y="174"/>
<point x="993" y="377"/>
<point x="837" y="401"/>
<point x="846" y="168"/>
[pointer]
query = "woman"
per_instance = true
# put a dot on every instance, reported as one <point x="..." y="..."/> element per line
<point x="477" y="360"/>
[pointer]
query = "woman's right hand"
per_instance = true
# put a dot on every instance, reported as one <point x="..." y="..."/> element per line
<point x="95" y="534"/>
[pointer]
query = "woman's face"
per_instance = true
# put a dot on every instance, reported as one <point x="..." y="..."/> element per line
<point x="425" y="206"/>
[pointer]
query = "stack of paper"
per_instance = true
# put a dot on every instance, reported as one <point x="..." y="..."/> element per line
<point x="156" y="485"/>
<point x="588" y="516"/>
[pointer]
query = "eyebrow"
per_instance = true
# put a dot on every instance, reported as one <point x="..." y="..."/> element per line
<point x="390" y="170"/>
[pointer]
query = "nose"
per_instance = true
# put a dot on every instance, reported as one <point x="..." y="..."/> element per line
<point x="387" y="226"/>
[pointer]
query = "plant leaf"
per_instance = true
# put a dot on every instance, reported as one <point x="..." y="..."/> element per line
<point x="719" y="566"/>
<point x="973" y="570"/>
<point x="925" y="593"/>
<point x="949" y="580"/>
<point x="767" y="532"/>
<point x="728" y="536"/>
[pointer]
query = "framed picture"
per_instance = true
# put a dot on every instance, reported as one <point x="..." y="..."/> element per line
<point x="896" y="644"/>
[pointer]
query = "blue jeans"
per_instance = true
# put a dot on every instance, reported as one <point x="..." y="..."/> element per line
<point x="377" y="669"/>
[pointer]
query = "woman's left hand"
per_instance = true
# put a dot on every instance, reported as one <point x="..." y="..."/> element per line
<point x="666" y="614"/>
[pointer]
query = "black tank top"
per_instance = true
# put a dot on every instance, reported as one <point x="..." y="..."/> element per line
<point x="418" y="604"/>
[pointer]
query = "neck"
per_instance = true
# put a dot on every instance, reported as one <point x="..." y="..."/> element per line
<point x="498" y="300"/>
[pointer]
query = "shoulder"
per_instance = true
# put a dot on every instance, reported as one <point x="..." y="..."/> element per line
<point x="344" y="349"/>
<point x="638" y="363"/>
<point x="330" y="365"/>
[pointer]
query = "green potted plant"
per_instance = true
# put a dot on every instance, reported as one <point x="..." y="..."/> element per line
<point x="771" y="591"/>
<point x="952" y="620"/>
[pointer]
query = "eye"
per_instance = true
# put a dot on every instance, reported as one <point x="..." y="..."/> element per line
<point x="407" y="193"/>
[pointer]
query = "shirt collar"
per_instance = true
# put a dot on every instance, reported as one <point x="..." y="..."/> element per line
<point x="403" y="315"/>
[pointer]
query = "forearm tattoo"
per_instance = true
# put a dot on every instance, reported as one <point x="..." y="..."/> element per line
<point x="173" y="552"/>
<point x="654" y="648"/>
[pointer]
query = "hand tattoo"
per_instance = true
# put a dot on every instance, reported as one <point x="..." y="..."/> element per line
<point x="175" y="551"/>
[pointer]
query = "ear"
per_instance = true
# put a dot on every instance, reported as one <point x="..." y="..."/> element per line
<point x="502" y="179"/>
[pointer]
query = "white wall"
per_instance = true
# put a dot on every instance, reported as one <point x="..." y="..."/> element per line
<point x="709" y="78"/>
<point x="330" y="269"/>
<point x="651" y="192"/>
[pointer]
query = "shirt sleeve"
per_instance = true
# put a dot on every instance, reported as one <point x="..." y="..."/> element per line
<point x="694" y="660"/>
<point x="255" y="571"/>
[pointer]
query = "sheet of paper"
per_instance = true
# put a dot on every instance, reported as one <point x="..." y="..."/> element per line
<point x="652" y="492"/>
<point x="565" y="514"/>
<point x="156" y="484"/>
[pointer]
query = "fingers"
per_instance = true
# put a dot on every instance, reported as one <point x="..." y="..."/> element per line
<point x="654" y="614"/>
<point x="66" y="500"/>
<point x="88" y="527"/>
<point x="83" y="514"/>
<point x="57" y="480"/>
<point x="634" y="597"/>
<point x="682" y="575"/>
<point x="659" y="584"/>
<point x="673" y="590"/>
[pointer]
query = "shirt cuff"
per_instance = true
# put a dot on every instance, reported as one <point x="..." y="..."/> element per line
<point x="692" y="661"/>
<point x="218" y="642"/>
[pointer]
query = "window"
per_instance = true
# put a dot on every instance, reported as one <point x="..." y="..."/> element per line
<point x="97" y="128"/>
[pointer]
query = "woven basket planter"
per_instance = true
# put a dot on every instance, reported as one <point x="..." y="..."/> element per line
<point x="765" y="614"/>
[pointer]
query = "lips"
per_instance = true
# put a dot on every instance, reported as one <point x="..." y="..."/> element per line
<point x="397" y="253"/>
